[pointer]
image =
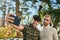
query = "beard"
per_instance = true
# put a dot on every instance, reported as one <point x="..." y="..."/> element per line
<point x="45" y="24"/>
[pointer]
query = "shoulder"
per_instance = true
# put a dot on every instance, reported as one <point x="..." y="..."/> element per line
<point x="53" y="29"/>
<point x="25" y="28"/>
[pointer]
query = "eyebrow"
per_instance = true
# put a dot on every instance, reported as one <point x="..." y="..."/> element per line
<point x="46" y="19"/>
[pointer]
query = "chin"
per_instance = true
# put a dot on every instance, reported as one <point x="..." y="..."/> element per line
<point x="34" y="25"/>
<point x="45" y="24"/>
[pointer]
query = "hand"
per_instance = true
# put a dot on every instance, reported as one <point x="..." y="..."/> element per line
<point x="9" y="19"/>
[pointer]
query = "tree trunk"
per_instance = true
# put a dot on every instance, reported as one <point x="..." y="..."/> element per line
<point x="3" y="19"/>
<point x="40" y="7"/>
<point x="17" y="7"/>
<point x="4" y="12"/>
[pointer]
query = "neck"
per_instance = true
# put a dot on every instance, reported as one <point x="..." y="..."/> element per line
<point x="33" y="26"/>
<point x="46" y="25"/>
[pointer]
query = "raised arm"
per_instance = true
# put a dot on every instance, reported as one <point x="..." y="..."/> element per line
<point x="20" y="27"/>
<point x="10" y="20"/>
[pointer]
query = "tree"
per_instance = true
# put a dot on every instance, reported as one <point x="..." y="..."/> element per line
<point x="3" y="8"/>
<point x="53" y="12"/>
<point x="17" y="7"/>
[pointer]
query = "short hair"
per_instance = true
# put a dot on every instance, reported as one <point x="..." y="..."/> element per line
<point x="47" y="15"/>
<point x="37" y="17"/>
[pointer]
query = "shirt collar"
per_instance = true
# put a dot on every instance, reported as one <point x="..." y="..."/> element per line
<point x="46" y="26"/>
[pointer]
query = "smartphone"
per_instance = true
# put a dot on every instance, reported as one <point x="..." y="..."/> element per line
<point x="16" y="20"/>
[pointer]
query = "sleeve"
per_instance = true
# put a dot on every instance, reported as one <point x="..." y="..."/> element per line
<point x="55" y="36"/>
<point x="39" y="36"/>
<point x="24" y="28"/>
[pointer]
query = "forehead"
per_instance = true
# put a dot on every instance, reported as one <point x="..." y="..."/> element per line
<point x="49" y="18"/>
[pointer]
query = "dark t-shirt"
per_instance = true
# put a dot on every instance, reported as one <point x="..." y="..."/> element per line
<point x="30" y="33"/>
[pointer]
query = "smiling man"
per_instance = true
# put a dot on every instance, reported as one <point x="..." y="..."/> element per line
<point x="48" y="32"/>
<point x="30" y="32"/>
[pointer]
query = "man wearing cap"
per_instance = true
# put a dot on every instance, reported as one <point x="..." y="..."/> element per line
<point x="30" y="32"/>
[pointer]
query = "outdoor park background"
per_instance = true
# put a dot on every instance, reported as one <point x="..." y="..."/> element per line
<point x="26" y="9"/>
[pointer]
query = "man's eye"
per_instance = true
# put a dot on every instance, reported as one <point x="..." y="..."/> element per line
<point x="46" y="19"/>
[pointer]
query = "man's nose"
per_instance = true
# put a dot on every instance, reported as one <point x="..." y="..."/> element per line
<point x="45" y="21"/>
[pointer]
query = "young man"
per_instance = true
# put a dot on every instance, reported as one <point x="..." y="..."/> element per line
<point x="48" y="32"/>
<point x="30" y="32"/>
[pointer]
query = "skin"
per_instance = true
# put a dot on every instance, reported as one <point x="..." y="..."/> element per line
<point x="10" y="20"/>
<point x="47" y="21"/>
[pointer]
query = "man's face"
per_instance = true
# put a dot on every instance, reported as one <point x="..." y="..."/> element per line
<point x="47" y="21"/>
<point x="35" y="23"/>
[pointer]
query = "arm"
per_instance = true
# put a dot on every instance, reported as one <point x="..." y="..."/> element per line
<point x="10" y="20"/>
<point x="20" y="27"/>
<point x="39" y="37"/>
<point x="55" y="36"/>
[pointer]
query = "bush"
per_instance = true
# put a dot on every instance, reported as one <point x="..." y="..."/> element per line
<point x="9" y="32"/>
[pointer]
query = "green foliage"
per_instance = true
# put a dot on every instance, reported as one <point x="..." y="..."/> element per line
<point x="47" y="1"/>
<point x="58" y="1"/>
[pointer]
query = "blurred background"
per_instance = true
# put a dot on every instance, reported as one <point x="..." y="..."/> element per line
<point x="26" y="9"/>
